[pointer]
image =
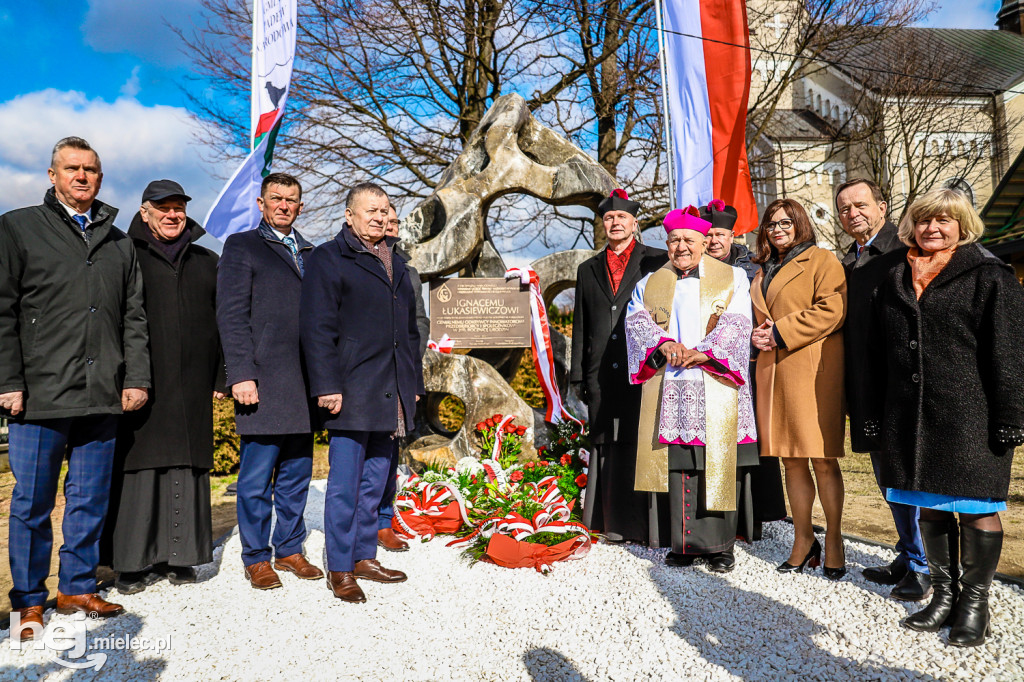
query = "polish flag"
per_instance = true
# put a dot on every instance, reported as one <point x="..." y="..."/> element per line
<point x="707" y="60"/>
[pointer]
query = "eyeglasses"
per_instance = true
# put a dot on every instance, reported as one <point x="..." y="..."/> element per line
<point x="784" y="224"/>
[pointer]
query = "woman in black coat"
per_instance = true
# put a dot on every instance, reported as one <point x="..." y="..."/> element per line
<point x="950" y="402"/>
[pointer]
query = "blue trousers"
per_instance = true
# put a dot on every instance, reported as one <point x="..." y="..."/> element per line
<point x="910" y="546"/>
<point x="386" y="512"/>
<point x="36" y="452"/>
<point x="273" y="475"/>
<point x="355" y="485"/>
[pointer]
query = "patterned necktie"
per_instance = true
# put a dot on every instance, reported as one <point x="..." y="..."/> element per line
<point x="80" y="219"/>
<point x="290" y="243"/>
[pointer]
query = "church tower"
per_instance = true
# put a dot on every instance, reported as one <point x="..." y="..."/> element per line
<point x="1011" y="16"/>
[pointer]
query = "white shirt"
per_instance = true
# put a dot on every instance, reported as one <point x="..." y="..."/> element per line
<point x="72" y="212"/>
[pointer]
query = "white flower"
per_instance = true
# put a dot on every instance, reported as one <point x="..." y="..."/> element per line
<point x="433" y="477"/>
<point x="469" y="466"/>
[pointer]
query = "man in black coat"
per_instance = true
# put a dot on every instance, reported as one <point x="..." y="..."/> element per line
<point x="761" y="484"/>
<point x="361" y="344"/>
<point x="259" y="283"/>
<point x="386" y="538"/>
<point x="598" y="374"/>
<point x="73" y="356"/>
<point x="861" y="208"/>
<point x="159" y="521"/>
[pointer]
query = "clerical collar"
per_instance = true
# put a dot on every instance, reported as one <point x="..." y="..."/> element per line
<point x="693" y="272"/>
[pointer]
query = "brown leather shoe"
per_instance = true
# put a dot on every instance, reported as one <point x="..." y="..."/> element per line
<point x="370" y="569"/>
<point x="88" y="603"/>
<point x="297" y="564"/>
<point x="29" y="615"/>
<point x="344" y="586"/>
<point x="262" y="576"/>
<point x="387" y="539"/>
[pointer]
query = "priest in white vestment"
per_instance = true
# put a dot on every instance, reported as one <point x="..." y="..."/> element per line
<point x="688" y="338"/>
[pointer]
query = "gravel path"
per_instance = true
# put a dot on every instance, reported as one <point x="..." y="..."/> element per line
<point x="618" y="614"/>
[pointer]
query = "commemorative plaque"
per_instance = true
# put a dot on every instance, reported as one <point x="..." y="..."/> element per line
<point x="480" y="312"/>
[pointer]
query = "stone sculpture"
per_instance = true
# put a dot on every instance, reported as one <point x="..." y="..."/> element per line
<point x="510" y="152"/>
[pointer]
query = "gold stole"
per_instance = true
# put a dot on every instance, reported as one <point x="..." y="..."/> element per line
<point x="721" y="400"/>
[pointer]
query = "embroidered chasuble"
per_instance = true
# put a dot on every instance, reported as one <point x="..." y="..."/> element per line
<point x="709" y="405"/>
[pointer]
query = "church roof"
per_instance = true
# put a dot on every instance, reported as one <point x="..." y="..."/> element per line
<point x="797" y="124"/>
<point x="964" y="62"/>
<point x="1004" y="212"/>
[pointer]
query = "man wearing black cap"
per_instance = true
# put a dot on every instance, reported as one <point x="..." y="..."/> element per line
<point x="159" y="521"/>
<point x="598" y="374"/>
<point x="721" y="244"/>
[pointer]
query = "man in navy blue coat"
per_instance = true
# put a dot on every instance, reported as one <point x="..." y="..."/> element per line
<point x="361" y="345"/>
<point x="259" y="282"/>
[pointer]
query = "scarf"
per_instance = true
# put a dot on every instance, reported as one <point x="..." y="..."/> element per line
<point x="172" y="249"/>
<point x="772" y="266"/>
<point x="924" y="266"/>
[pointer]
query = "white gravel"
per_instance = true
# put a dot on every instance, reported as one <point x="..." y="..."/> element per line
<point x="618" y="614"/>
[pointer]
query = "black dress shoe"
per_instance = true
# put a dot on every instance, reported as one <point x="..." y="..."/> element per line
<point x="131" y="582"/>
<point x="178" y="575"/>
<point x="889" y="574"/>
<point x="833" y="574"/>
<point x="914" y="587"/>
<point x="676" y="559"/>
<point x="721" y="562"/>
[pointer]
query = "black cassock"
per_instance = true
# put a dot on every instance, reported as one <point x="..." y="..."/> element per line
<point x="160" y="491"/>
<point x="599" y="371"/>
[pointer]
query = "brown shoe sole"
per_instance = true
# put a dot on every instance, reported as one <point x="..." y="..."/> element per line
<point x="392" y="549"/>
<point x="360" y="600"/>
<point x="69" y="612"/>
<point x="282" y="567"/>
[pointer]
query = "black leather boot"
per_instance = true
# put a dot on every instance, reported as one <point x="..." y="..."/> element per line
<point x="979" y="553"/>
<point x="941" y="548"/>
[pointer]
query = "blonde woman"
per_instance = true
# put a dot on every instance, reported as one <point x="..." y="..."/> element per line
<point x="950" y="407"/>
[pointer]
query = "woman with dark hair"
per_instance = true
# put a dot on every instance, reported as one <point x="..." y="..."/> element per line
<point x="950" y="401"/>
<point x="799" y="302"/>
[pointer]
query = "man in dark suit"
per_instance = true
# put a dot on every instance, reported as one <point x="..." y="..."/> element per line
<point x="598" y="373"/>
<point x="73" y="356"/>
<point x="361" y="345"/>
<point x="861" y="208"/>
<point x="259" y="282"/>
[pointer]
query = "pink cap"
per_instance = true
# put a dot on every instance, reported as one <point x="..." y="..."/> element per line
<point x="686" y="219"/>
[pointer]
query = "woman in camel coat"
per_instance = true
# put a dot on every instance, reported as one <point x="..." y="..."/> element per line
<point x="799" y="302"/>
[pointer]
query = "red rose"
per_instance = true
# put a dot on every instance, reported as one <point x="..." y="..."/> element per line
<point x="520" y="430"/>
<point x="497" y="418"/>
<point x="544" y="463"/>
<point x="489" y="422"/>
<point x="574" y="436"/>
<point x="561" y="441"/>
<point x="516" y="476"/>
<point x="530" y="465"/>
<point x="541" y="450"/>
<point x="581" y="480"/>
<point x="509" y="428"/>
<point x="566" y="459"/>
<point x="480" y="426"/>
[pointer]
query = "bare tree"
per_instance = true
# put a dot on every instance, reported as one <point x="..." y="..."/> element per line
<point x="389" y="90"/>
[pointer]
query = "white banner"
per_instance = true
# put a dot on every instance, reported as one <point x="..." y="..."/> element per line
<point x="273" y="53"/>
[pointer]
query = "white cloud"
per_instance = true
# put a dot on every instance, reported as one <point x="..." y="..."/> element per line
<point x="141" y="28"/>
<point x="964" y="14"/>
<point x="136" y="144"/>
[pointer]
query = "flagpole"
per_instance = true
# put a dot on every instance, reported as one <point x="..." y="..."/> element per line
<point x="254" y="105"/>
<point x="669" y="155"/>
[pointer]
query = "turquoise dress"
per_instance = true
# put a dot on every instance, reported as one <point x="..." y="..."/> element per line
<point x="949" y="503"/>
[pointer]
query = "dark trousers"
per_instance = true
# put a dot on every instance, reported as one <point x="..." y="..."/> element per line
<point x="910" y="545"/>
<point x="37" y="449"/>
<point x="355" y="486"/>
<point x="273" y="475"/>
<point x="386" y="511"/>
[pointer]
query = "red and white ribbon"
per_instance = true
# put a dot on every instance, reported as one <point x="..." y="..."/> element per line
<point x="543" y="356"/>
<point x="445" y="345"/>
<point x="499" y="434"/>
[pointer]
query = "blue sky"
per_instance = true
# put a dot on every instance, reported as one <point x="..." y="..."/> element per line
<point x="112" y="71"/>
